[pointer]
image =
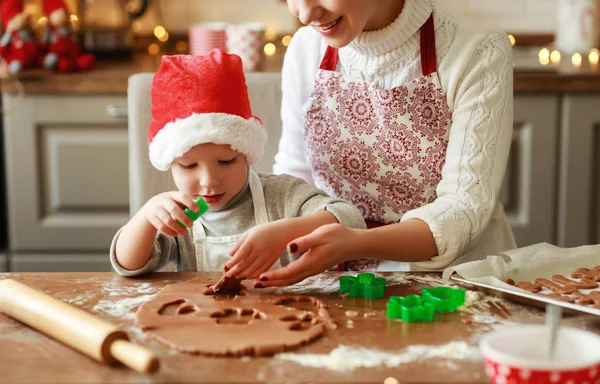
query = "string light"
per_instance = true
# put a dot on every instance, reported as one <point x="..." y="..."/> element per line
<point x="153" y="49"/>
<point x="73" y="18"/>
<point x="555" y="57"/>
<point x="164" y="37"/>
<point x="160" y="32"/>
<point x="594" y="56"/>
<point x="390" y="380"/>
<point x="286" y="40"/>
<point x="270" y="49"/>
<point x="544" y="56"/>
<point x="576" y="59"/>
<point x="43" y="21"/>
<point x="512" y="39"/>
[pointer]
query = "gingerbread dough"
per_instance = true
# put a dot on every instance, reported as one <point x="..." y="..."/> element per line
<point x="192" y="318"/>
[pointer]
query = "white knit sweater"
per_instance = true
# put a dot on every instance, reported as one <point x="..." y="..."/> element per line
<point x="475" y="70"/>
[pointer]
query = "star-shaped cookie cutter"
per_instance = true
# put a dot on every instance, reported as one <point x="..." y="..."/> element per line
<point x="364" y="285"/>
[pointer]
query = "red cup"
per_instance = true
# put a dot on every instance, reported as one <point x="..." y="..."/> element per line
<point x="520" y="355"/>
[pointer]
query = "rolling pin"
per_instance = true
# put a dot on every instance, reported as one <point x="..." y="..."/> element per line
<point x="80" y="330"/>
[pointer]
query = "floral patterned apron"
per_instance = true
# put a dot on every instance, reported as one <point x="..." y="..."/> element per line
<point x="383" y="150"/>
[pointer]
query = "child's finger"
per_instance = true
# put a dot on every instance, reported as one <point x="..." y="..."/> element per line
<point x="160" y="226"/>
<point x="240" y="260"/>
<point x="186" y="201"/>
<point x="177" y="213"/>
<point x="263" y="268"/>
<point x="168" y="221"/>
<point x="305" y="243"/>
<point x="254" y="266"/>
<point x="236" y="247"/>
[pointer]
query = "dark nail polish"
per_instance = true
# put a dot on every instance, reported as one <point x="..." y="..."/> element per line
<point x="293" y="248"/>
<point x="263" y="279"/>
<point x="258" y="286"/>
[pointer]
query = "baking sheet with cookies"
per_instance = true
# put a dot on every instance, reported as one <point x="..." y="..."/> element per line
<point x="538" y="275"/>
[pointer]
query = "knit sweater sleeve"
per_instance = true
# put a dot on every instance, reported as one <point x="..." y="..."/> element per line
<point x="481" y="99"/>
<point x="299" y="69"/>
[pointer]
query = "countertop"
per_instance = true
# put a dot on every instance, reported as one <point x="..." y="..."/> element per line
<point x="110" y="77"/>
<point x="27" y="355"/>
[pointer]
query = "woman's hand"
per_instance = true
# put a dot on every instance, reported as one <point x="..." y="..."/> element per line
<point x="325" y="247"/>
<point x="162" y="210"/>
<point x="258" y="249"/>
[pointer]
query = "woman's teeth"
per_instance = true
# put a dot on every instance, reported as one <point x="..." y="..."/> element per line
<point x="330" y="25"/>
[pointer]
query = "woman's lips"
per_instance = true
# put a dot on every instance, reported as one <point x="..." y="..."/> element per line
<point x="328" y="29"/>
<point x="213" y="199"/>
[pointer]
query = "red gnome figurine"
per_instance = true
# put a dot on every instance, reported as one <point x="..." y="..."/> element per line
<point x="17" y="46"/>
<point x="63" y="51"/>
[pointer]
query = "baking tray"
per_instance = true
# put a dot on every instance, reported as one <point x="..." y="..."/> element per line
<point x="527" y="297"/>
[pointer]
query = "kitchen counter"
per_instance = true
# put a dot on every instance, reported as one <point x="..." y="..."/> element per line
<point x="28" y="356"/>
<point x="110" y="77"/>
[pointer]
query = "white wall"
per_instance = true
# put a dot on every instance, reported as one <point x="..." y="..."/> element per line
<point x="515" y="16"/>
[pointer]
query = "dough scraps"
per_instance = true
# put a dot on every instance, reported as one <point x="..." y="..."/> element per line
<point x="192" y="318"/>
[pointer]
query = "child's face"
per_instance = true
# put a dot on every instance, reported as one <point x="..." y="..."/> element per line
<point x="214" y="172"/>
<point x="340" y="21"/>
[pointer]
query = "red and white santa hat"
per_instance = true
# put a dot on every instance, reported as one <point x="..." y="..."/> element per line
<point x="54" y="5"/>
<point x="202" y="99"/>
<point x="10" y="9"/>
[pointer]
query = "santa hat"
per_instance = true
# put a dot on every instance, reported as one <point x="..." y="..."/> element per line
<point x="10" y="9"/>
<point x="202" y="99"/>
<point x="54" y="5"/>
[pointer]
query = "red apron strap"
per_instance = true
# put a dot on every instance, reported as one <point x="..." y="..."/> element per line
<point x="330" y="59"/>
<point x="428" y="60"/>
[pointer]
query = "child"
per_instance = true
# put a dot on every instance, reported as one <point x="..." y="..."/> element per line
<point x="405" y="110"/>
<point x="204" y="132"/>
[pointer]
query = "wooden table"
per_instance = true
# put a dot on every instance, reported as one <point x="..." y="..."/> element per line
<point x="28" y="356"/>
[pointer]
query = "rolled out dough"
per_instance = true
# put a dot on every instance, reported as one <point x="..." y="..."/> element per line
<point x="192" y="318"/>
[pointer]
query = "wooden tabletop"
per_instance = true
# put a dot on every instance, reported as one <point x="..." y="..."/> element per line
<point x="110" y="77"/>
<point x="28" y="356"/>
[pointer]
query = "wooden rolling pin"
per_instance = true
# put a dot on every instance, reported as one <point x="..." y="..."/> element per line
<point x="78" y="329"/>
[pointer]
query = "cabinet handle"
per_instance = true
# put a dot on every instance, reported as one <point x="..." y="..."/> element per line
<point x="115" y="111"/>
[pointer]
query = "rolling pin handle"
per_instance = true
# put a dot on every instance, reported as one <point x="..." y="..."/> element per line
<point x="135" y="357"/>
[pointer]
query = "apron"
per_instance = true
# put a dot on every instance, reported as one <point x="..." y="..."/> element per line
<point x="213" y="252"/>
<point x="382" y="150"/>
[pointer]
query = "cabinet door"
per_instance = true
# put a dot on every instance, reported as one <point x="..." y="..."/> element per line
<point x="528" y="193"/>
<point x="67" y="172"/>
<point x="579" y="171"/>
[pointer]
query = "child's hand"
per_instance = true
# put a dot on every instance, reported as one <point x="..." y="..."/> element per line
<point x="258" y="249"/>
<point x="325" y="247"/>
<point x="162" y="210"/>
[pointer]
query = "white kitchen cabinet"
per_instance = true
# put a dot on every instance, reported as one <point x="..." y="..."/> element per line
<point x="529" y="187"/>
<point x="67" y="180"/>
<point x="579" y="171"/>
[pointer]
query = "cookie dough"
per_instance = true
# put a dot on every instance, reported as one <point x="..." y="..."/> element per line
<point x="192" y="318"/>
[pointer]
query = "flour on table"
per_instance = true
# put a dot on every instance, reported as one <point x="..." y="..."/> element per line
<point x="346" y="358"/>
<point x="123" y="308"/>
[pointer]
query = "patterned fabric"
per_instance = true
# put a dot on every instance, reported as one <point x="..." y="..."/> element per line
<point x="383" y="150"/>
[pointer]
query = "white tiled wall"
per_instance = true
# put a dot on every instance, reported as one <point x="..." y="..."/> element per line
<point x="516" y="16"/>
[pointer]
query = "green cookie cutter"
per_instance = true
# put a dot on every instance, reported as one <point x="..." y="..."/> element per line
<point x="195" y="215"/>
<point x="444" y="299"/>
<point x="414" y="308"/>
<point x="410" y="309"/>
<point x="364" y="285"/>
